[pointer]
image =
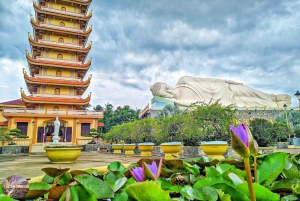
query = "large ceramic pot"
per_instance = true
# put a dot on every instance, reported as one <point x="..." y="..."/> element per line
<point x="146" y="148"/>
<point x="63" y="154"/>
<point x="117" y="148"/>
<point x="129" y="149"/>
<point x="296" y="141"/>
<point x="171" y="149"/>
<point x="214" y="149"/>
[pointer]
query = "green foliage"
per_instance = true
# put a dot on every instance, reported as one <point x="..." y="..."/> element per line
<point x="116" y="117"/>
<point x="266" y="133"/>
<point x="194" y="179"/>
<point x="292" y="119"/>
<point x="208" y="122"/>
<point x="3" y="134"/>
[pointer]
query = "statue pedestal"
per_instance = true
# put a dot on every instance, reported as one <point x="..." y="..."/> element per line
<point x="55" y="139"/>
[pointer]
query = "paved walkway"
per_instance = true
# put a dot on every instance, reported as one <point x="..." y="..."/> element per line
<point x="29" y="165"/>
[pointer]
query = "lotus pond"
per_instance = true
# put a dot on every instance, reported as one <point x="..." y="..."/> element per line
<point x="278" y="178"/>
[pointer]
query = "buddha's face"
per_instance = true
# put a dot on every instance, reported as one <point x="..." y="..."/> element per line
<point x="162" y="90"/>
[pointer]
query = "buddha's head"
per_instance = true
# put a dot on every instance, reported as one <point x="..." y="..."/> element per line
<point x="162" y="90"/>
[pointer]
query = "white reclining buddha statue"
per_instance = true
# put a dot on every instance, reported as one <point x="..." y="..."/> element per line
<point x="190" y="89"/>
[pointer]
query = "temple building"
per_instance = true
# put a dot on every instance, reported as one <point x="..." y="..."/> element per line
<point x="55" y="79"/>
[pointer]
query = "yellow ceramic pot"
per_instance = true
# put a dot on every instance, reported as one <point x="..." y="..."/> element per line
<point x="63" y="154"/>
<point x="117" y="148"/>
<point x="214" y="149"/>
<point x="129" y="149"/>
<point x="146" y="148"/>
<point x="171" y="149"/>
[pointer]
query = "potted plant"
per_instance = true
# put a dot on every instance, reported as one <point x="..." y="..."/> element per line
<point x="62" y="154"/>
<point x="208" y="123"/>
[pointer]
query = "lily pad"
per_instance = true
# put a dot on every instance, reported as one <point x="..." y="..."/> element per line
<point x="147" y="190"/>
<point x="78" y="193"/>
<point x="210" y="181"/>
<point x="56" y="192"/>
<point x="101" y="189"/>
<point x="284" y="185"/>
<point x="271" y="167"/>
<point x="203" y="193"/>
<point x="212" y="172"/>
<point x="236" y="195"/>
<point x="54" y="172"/>
<point x="116" y="167"/>
<point x="261" y="193"/>
<point x="37" y="189"/>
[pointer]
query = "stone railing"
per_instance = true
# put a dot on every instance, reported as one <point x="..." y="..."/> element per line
<point x="58" y="43"/>
<point x="58" y="60"/>
<point x="18" y="141"/>
<point x="62" y="11"/>
<point x="46" y="95"/>
<point x="50" y="25"/>
<point x="23" y="111"/>
<point x="75" y="79"/>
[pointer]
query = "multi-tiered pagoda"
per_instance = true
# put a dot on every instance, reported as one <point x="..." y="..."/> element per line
<point x="57" y="67"/>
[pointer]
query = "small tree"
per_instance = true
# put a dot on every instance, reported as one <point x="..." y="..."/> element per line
<point x="209" y="121"/>
<point x="3" y="134"/>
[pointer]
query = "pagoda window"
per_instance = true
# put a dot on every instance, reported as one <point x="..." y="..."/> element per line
<point x="63" y="8"/>
<point x="55" y="108"/>
<point x="60" y="40"/>
<point x="41" y="106"/>
<point x="74" y="25"/>
<point x="57" y="91"/>
<point x="85" y="128"/>
<point x="71" y="91"/>
<point x="45" y="71"/>
<point x="23" y="127"/>
<point x="74" y="41"/>
<point x="72" y="57"/>
<point x="71" y="73"/>
<point x="58" y="73"/>
<point x="46" y="53"/>
<point x="62" y="24"/>
<point x="69" y="107"/>
<point x="51" y="5"/>
<point x="60" y="56"/>
<point x="47" y="36"/>
<point x="75" y="10"/>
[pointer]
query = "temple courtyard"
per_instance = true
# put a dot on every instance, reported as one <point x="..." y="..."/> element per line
<point x="30" y="165"/>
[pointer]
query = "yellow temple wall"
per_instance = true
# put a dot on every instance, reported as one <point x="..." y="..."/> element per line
<point x="64" y="72"/>
<point x="63" y="90"/>
<point x="53" y="54"/>
<point x="66" y="39"/>
<point x="2" y="119"/>
<point x="73" y="8"/>
<point x="57" y="22"/>
<point x="61" y="107"/>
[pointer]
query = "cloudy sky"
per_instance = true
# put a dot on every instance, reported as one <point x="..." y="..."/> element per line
<point x="139" y="42"/>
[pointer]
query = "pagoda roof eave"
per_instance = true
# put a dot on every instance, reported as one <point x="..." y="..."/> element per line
<point x="60" y="47"/>
<point x="82" y="2"/>
<point x="85" y="66"/>
<point x="47" y="100"/>
<point x="39" y="10"/>
<point x="33" y="80"/>
<point x="37" y="26"/>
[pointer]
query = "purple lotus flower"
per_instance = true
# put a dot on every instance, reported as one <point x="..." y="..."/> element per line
<point x="147" y="171"/>
<point x="242" y="140"/>
<point x="241" y="132"/>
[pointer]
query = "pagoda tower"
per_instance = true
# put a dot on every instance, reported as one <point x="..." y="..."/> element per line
<point x="57" y="67"/>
